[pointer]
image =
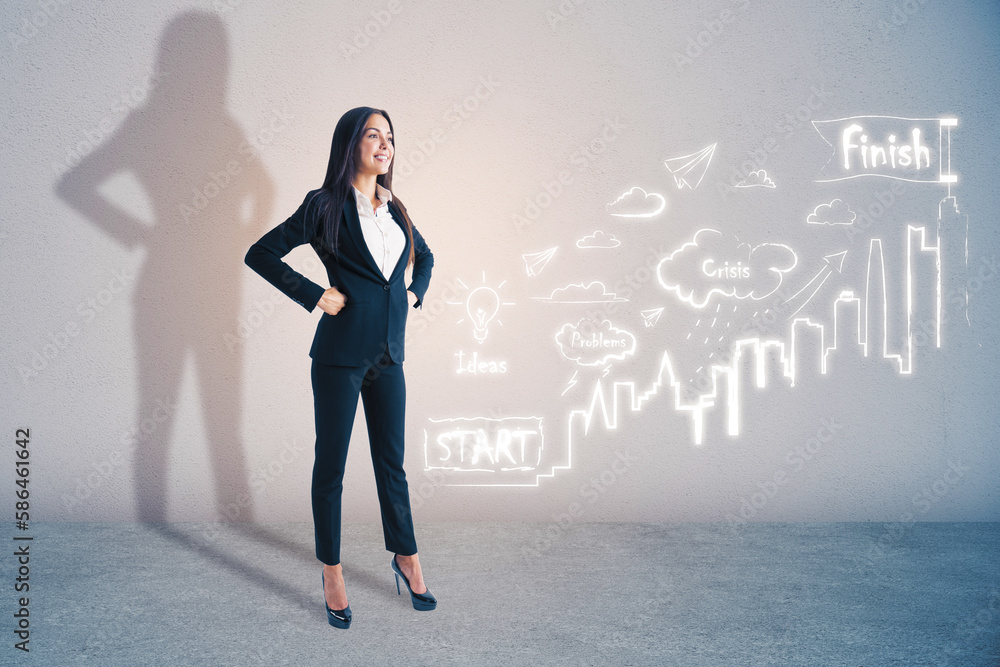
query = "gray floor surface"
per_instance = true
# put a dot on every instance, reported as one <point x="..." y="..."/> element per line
<point x="860" y="594"/>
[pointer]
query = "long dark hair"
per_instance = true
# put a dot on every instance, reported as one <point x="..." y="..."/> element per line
<point x="339" y="180"/>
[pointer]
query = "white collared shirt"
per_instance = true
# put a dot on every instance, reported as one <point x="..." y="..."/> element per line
<point x="384" y="238"/>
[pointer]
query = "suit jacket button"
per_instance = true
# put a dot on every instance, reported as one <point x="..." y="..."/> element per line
<point x="385" y="287"/>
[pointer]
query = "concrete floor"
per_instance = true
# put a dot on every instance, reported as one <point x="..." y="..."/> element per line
<point x="540" y="594"/>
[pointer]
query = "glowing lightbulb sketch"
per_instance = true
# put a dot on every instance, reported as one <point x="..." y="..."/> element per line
<point x="688" y="169"/>
<point x="482" y="305"/>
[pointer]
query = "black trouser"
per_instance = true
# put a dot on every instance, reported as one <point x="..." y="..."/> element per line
<point x="335" y="399"/>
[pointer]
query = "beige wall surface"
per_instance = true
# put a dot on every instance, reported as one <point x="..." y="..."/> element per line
<point x="658" y="292"/>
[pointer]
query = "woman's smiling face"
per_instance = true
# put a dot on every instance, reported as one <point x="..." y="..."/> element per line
<point x="375" y="148"/>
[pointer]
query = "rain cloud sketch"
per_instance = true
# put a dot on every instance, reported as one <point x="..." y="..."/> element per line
<point x="713" y="263"/>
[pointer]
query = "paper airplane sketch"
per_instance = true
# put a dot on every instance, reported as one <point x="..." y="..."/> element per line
<point x="757" y="179"/>
<point x="688" y="169"/>
<point x="598" y="240"/>
<point x="834" y="213"/>
<point x="536" y="261"/>
<point x="637" y="203"/>
<point x="652" y="316"/>
<point x="593" y="292"/>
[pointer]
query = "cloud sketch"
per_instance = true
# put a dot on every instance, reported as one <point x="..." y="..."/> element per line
<point x="757" y="179"/>
<point x="593" y="292"/>
<point x="637" y="203"/>
<point x="598" y="240"/>
<point x="835" y="213"/>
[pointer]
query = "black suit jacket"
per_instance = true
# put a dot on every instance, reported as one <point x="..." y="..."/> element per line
<point x="374" y="315"/>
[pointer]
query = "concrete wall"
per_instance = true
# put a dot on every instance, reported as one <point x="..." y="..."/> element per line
<point x="147" y="147"/>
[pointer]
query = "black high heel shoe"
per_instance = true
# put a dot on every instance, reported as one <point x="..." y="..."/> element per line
<point x="421" y="601"/>
<point x="340" y="618"/>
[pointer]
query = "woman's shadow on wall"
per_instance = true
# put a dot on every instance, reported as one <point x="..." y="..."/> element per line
<point x="211" y="198"/>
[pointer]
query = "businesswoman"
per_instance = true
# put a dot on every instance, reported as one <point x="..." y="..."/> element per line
<point x="366" y="240"/>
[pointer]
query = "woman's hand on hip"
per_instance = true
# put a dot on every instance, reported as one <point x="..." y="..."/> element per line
<point x="332" y="301"/>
